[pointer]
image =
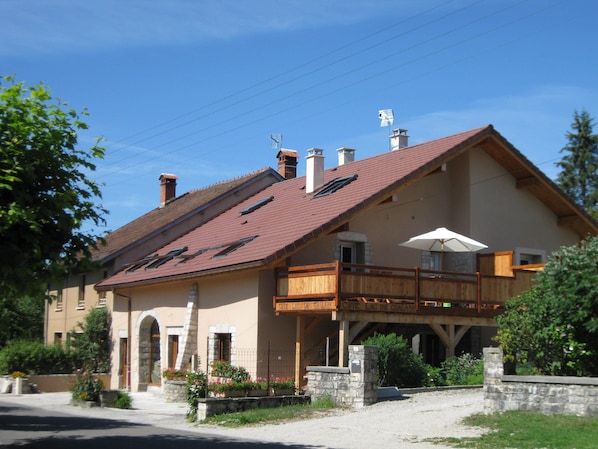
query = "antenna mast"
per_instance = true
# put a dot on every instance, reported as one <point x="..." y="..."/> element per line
<point x="387" y="118"/>
<point x="276" y="141"/>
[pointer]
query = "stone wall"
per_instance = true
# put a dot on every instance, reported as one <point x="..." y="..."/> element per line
<point x="175" y="391"/>
<point x="211" y="407"/>
<point x="546" y="394"/>
<point x="355" y="386"/>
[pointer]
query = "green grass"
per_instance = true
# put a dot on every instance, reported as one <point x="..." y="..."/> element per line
<point x="271" y="415"/>
<point x="527" y="430"/>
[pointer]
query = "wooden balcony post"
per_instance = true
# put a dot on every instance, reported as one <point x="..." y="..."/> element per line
<point x="299" y="332"/>
<point x="479" y="292"/>
<point x="338" y="285"/>
<point x="416" y="289"/>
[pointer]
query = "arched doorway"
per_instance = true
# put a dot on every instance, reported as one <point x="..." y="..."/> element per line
<point x="149" y="353"/>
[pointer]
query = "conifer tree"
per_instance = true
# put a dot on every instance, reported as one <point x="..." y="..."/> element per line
<point x="579" y="166"/>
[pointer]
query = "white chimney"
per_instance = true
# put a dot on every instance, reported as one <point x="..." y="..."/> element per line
<point x="314" y="170"/>
<point x="345" y="155"/>
<point x="399" y="139"/>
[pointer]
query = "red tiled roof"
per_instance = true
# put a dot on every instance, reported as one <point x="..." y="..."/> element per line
<point x="287" y="218"/>
<point x="293" y="218"/>
<point x="158" y="219"/>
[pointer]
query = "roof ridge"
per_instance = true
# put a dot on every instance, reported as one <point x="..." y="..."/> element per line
<point x="226" y="181"/>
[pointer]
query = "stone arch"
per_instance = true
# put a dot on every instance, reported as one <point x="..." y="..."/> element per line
<point x="150" y="350"/>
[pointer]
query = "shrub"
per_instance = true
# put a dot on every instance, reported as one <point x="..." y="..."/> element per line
<point x="123" y="400"/>
<point x="397" y="364"/>
<point x="33" y="357"/>
<point x="225" y="369"/>
<point x="463" y="370"/>
<point x="92" y="344"/>
<point x="196" y="390"/>
<point x="86" y="386"/>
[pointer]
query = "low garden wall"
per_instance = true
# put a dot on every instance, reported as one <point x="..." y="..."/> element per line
<point x="54" y="383"/>
<point x="217" y="406"/>
<point x="546" y="394"/>
<point x="354" y="386"/>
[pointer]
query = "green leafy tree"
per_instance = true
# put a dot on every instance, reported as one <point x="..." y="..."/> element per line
<point x="579" y="166"/>
<point x="46" y="196"/>
<point x="92" y="344"/>
<point x="554" y="326"/>
<point x="397" y="364"/>
<point x="22" y="319"/>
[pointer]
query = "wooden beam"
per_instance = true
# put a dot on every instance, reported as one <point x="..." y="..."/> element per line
<point x="569" y="220"/>
<point x="389" y="317"/>
<point x="449" y="338"/>
<point x="356" y="329"/>
<point x="299" y="331"/>
<point x="343" y="343"/>
<point x="524" y="183"/>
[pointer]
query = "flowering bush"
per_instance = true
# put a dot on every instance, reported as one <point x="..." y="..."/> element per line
<point x="282" y="383"/>
<point x="86" y="386"/>
<point x="225" y="369"/>
<point x="174" y="374"/>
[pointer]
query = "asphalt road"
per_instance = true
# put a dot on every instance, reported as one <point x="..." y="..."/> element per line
<point x="26" y="427"/>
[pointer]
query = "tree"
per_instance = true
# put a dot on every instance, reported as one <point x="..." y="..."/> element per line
<point x="46" y="196"/>
<point x="554" y="326"/>
<point x="92" y="344"/>
<point x="579" y="166"/>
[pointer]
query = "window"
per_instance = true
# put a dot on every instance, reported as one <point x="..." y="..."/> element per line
<point x="230" y="247"/>
<point x="173" y="350"/>
<point x="81" y="298"/>
<point x="169" y="256"/>
<point x="334" y="185"/>
<point x="59" y="301"/>
<point x="223" y="347"/>
<point x="256" y="205"/>
<point x="102" y="294"/>
<point x="58" y="338"/>
<point x="529" y="256"/>
<point x="142" y="262"/>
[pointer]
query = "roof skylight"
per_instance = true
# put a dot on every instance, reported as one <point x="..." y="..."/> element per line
<point x="335" y="185"/>
<point x="256" y="205"/>
<point x="168" y="256"/>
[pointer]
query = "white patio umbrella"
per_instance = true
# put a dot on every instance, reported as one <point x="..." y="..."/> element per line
<point x="441" y="240"/>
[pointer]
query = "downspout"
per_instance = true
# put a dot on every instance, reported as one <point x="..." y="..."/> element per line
<point x="129" y="313"/>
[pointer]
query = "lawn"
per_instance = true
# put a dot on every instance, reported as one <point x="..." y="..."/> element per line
<point x="527" y="430"/>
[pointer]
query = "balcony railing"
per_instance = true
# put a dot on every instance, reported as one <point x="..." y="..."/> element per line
<point x="351" y="287"/>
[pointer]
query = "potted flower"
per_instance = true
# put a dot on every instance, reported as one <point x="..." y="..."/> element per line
<point x="86" y="387"/>
<point x="18" y="377"/>
<point x="174" y="374"/>
<point x="282" y="386"/>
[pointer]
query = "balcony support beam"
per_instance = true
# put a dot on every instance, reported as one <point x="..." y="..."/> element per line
<point x="299" y="333"/>
<point x="343" y="343"/>
<point x="450" y="339"/>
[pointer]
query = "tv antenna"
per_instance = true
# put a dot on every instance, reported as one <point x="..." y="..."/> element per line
<point x="276" y="141"/>
<point x="387" y="118"/>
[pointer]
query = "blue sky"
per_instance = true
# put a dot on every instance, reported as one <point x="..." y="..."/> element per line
<point x="196" y="88"/>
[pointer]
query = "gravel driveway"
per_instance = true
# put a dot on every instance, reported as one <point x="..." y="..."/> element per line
<point x="402" y="423"/>
<point x="407" y="422"/>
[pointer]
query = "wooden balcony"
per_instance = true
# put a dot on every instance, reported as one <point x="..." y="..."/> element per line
<point x="366" y="289"/>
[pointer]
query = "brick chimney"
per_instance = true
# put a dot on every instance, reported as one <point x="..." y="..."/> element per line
<point x="399" y="139"/>
<point x="167" y="188"/>
<point x="287" y="163"/>
<point x="314" y="170"/>
<point x="345" y="155"/>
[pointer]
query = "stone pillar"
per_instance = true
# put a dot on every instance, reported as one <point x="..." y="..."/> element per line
<point x="493" y="386"/>
<point x="363" y="366"/>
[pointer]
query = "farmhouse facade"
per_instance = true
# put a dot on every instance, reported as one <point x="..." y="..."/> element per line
<point x="312" y="262"/>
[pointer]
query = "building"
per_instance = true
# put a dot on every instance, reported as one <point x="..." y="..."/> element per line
<point x="172" y="218"/>
<point x="312" y="260"/>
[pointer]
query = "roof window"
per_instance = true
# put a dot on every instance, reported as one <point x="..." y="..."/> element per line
<point x="230" y="247"/>
<point x="140" y="263"/>
<point x="256" y="205"/>
<point x="168" y="256"/>
<point x="334" y="185"/>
